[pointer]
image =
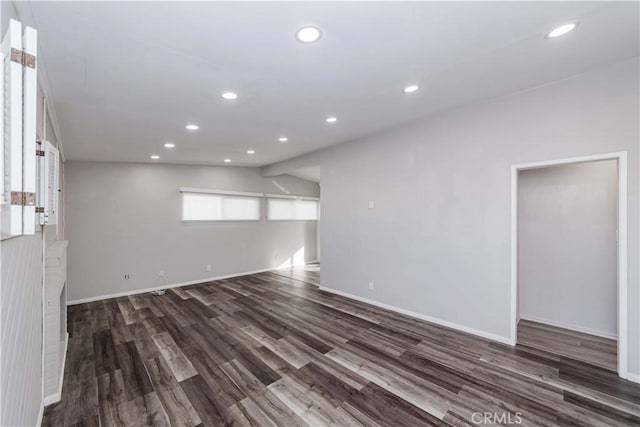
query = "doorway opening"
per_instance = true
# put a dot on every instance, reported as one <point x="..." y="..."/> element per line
<point x="569" y="258"/>
<point x="308" y="270"/>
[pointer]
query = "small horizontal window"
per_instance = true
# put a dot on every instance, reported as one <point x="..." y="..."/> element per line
<point x="219" y="207"/>
<point x="292" y="209"/>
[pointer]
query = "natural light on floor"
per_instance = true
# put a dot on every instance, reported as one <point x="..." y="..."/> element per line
<point x="296" y="259"/>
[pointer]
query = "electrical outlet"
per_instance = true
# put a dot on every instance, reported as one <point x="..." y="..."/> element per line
<point x="371" y="204"/>
<point x="161" y="274"/>
<point x="208" y="268"/>
<point x="127" y="276"/>
<point x="371" y="286"/>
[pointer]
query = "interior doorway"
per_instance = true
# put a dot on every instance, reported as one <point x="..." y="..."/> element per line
<point x="310" y="272"/>
<point x="566" y="269"/>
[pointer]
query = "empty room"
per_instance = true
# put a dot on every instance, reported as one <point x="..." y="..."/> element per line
<point x="219" y="213"/>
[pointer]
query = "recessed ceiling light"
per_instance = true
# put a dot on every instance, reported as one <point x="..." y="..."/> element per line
<point x="562" y="30"/>
<point x="283" y="139"/>
<point x="308" y="34"/>
<point x="169" y="145"/>
<point x="332" y="119"/>
<point x="229" y="95"/>
<point x="411" y="88"/>
<point x="154" y="157"/>
<point x="251" y="151"/>
<point x="227" y="160"/>
<point x="192" y="127"/>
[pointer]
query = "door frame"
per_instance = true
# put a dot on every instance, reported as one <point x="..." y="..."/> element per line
<point x="621" y="158"/>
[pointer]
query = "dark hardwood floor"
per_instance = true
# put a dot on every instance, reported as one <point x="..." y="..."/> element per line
<point x="268" y="349"/>
<point x="575" y="345"/>
<point x="309" y="273"/>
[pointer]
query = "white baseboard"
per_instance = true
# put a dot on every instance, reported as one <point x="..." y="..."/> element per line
<point x="562" y="325"/>
<point x="633" y="377"/>
<point x="40" y="416"/>
<point x="64" y="359"/>
<point x="174" y="285"/>
<point x="445" y="323"/>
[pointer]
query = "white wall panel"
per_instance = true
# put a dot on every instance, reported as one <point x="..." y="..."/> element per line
<point x="21" y="339"/>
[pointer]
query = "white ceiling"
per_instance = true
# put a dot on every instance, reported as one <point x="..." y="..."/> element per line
<point x="127" y="76"/>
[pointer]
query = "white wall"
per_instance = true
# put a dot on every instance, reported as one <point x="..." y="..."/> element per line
<point x="567" y="222"/>
<point x="126" y="218"/>
<point x="21" y="296"/>
<point x="438" y="241"/>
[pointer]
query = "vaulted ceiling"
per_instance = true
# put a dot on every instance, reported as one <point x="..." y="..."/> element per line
<point x="126" y="77"/>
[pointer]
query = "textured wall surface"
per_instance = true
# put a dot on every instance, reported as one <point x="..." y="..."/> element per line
<point x="21" y="299"/>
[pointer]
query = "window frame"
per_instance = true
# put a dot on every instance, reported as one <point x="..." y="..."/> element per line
<point x="221" y="193"/>
<point x="295" y="199"/>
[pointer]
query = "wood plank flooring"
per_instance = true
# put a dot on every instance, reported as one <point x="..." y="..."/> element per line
<point x="268" y="350"/>
<point x="575" y="345"/>
<point x="309" y="273"/>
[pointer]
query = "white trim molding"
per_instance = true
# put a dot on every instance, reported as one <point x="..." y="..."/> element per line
<point x="621" y="158"/>
<point x="52" y="398"/>
<point x="57" y="396"/>
<point x="40" y="415"/>
<point x="440" y="322"/>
